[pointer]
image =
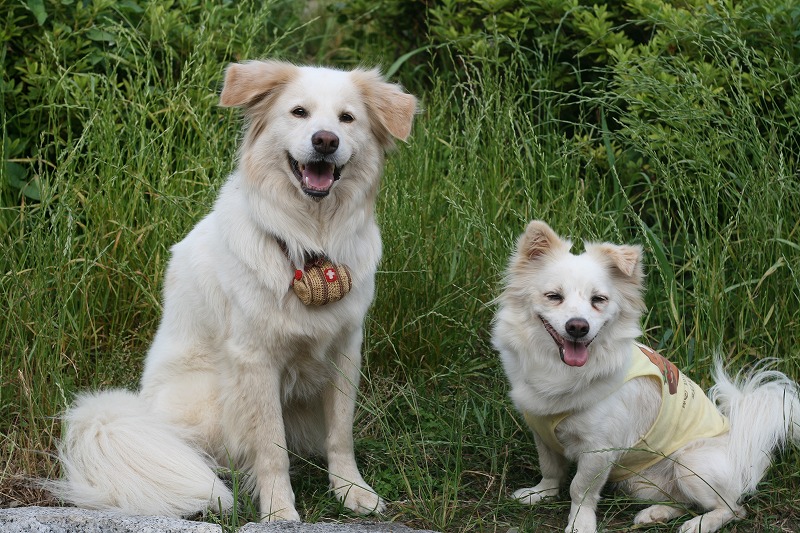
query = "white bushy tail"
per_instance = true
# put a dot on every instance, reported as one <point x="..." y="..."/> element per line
<point x="117" y="455"/>
<point x="763" y="407"/>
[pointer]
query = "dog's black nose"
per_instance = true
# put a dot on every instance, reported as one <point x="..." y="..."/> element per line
<point x="577" y="327"/>
<point x="325" y="142"/>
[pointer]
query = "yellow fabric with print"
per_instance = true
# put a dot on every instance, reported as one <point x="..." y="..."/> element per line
<point x="686" y="414"/>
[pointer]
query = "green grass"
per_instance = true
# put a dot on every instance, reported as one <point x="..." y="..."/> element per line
<point x="710" y="191"/>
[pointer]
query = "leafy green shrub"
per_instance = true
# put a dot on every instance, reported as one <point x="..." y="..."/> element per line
<point x="590" y="51"/>
<point x="366" y="30"/>
<point x="717" y="61"/>
<point x="54" y="53"/>
<point x="704" y="135"/>
<point x="633" y="83"/>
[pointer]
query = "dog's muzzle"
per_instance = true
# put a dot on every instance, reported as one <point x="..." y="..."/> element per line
<point x="316" y="177"/>
<point x="572" y="352"/>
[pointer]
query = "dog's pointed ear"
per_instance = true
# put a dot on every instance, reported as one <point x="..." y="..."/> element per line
<point x="391" y="109"/>
<point x="539" y="239"/>
<point x="625" y="258"/>
<point x="625" y="265"/>
<point x="247" y="83"/>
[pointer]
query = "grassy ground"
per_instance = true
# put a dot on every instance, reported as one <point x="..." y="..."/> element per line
<point x="717" y="207"/>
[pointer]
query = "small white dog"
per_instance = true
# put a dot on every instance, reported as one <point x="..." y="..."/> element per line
<point x="566" y="330"/>
<point x="241" y="371"/>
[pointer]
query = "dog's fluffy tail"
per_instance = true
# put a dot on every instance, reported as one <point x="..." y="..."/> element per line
<point x="117" y="455"/>
<point x="763" y="407"/>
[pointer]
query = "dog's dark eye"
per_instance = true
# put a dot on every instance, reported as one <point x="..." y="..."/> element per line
<point x="554" y="297"/>
<point x="599" y="300"/>
<point x="300" y="112"/>
<point x="347" y="118"/>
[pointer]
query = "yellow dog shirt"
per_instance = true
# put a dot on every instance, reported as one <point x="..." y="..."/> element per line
<point x="686" y="414"/>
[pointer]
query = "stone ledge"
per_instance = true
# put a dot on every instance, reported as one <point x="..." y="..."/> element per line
<point x="74" y="520"/>
<point x="299" y="527"/>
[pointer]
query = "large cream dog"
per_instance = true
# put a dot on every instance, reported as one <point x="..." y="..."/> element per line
<point x="241" y="371"/>
<point x="566" y="329"/>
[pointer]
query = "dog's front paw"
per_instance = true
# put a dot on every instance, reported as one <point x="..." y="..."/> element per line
<point x="712" y="521"/>
<point x="278" y="505"/>
<point x="656" y="514"/>
<point x="533" y="495"/>
<point x="288" y="513"/>
<point x="583" y="522"/>
<point x="361" y="500"/>
<point x="696" y="525"/>
<point x="578" y="528"/>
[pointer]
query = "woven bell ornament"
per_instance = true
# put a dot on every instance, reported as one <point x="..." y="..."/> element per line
<point x="321" y="282"/>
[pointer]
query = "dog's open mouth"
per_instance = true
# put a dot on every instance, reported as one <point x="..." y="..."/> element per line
<point x="316" y="177"/>
<point x="573" y="353"/>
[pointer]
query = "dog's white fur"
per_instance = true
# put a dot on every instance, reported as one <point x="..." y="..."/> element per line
<point x="603" y="285"/>
<point x="240" y="372"/>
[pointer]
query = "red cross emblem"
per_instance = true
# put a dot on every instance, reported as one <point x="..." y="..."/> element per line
<point x="330" y="274"/>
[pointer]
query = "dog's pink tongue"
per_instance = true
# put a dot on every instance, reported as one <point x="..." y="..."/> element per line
<point x="575" y="353"/>
<point x="318" y="176"/>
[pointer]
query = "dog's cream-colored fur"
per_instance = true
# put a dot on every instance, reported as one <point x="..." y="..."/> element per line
<point x="603" y="288"/>
<point x="240" y="372"/>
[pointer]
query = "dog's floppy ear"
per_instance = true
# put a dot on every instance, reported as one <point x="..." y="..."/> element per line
<point x="391" y="109"/>
<point x="247" y="83"/>
<point x="538" y="240"/>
